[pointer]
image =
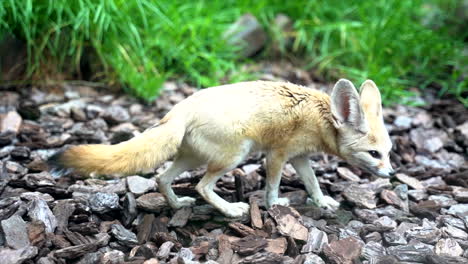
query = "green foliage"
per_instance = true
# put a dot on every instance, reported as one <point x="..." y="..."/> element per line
<point x="141" y="43"/>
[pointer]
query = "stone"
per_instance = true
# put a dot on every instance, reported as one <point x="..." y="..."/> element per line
<point x="443" y="200"/>
<point x="448" y="246"/>
<point x="62" y="211"/>
<point x="361" y="196"/>
<point x="316" y="240"/>
<point x="344" y="251"/>
<point x="181" y="217"/>
<point x="289" y="223"/>
<point x="312" y="259"/>
<point x="460" y="210"/>
<point x="37" y="195"/>
<point x="428" y="234"/>
<point x="373" y="251"/>
<point x="418" y="195"/>
<point x="103" y="202"/>
<point x="410" y="181"/>
<point x="139" y="185"/>
<point x="386" y="222"/>
<point x="20" y="153"/>
<point x="186" y="254"/>
<point x="347" y="174"/>
<point x="403" y="122"/>
<point x="248" y="33"/>
<point x="392" y="198"/>
<point x="113" y="257"/>
<point x="116" y="114"/>
<point x="130" y="211"/>
<point x="15" y="232"/>
<point x="461" y="194"/>
<point x="277" y="245"/>
<point x="39" y="210"/>
<point x="164" y="250"/>
<point x="152" y="202"/>
<point x="394" y="238"/>
<point x="123" y="235"/>
<point x="430" y="140"/>
<point x="415" y="252"/>
<point x="17" y="256"/>
<point x="454" y="232"/>
<point x="11" y="122"/>
<point x="37" y="233"/>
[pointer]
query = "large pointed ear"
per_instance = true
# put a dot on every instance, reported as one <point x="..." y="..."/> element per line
<point x="371" y="101"/>
<point x="345" y="106"/>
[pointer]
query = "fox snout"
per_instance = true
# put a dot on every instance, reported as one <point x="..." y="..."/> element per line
<point x="385" y="172"/>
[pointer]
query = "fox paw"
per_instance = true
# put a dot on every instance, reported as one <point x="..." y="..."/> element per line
<point x="236" y="210"/>
<point x="326" y="202"/>
<point x="284" y="201"/>
<point x="184" y="202"/>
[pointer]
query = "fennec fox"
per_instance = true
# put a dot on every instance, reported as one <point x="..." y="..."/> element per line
<point x="220" y="126"/>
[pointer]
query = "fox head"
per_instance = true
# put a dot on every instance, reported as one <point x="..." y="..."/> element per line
<point x="363" y="140"/>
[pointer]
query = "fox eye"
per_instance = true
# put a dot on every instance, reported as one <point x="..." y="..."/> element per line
<point x="375" y="154"/>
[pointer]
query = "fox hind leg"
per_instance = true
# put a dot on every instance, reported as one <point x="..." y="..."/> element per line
<point x="180" y="165"/>
<point x="205" y="188"/>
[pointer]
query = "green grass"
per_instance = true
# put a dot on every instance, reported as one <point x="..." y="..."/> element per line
<point x="141" y="43"/>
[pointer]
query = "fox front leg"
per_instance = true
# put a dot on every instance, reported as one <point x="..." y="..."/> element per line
<point x="274" y="164"/>
<point x="305" y="172"/>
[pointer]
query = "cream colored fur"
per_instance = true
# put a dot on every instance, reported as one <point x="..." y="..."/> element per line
<point x="220" y="126"/>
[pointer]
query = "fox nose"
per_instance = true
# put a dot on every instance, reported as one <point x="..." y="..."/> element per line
<point x="392" y="173"/>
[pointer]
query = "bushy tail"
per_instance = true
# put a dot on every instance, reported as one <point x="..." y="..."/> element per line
<point x="142" y="152"/>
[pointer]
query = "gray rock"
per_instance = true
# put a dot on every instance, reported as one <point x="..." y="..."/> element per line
<point x="15" y="232"/>
<point x="431" y="140"/>
<point x="37" y="195"/>
<point x="11" y="122"/>
<point x="312" y="259"/>
<point x="347" y="174"/>
<point x="124" y="236"/>
<point x="113" y="257"/>
<point x="17" y="256"/>
<point x="39" y="210"/>
<point x="152" y="202"/>
<point x="373" y="251"/>
<point x="452" y="221"/>
<point x="116" y="114"/>
<point x="443" y="200"/>
<point x="418" y="195"/>
<point x="164" y="250"/>
<point x="403" y="122"/>
<point x="394" y="238"/>
<point x="432" y="163"/>
<point x="386" y="222"/>
<point x="42" y="179"/>
<point x="316" y="240"/>
<point x="410" y="181"/>
<point x="458" y="210"/>
<point x="415" y="252"/>
<point x="130" y="211"/>
<point x="427" y="233"/>
<point x="461" y="194"/>
<point x="103" y="202"/>
<point x="454" y="232"/>
<point x="343" y="251"/>
<point x="448" y="247"/>
<point x="139" y="185"/>
<point x="248" y="33"/>
<point x="361" y="196"/>
<point x="186" y="254"/>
